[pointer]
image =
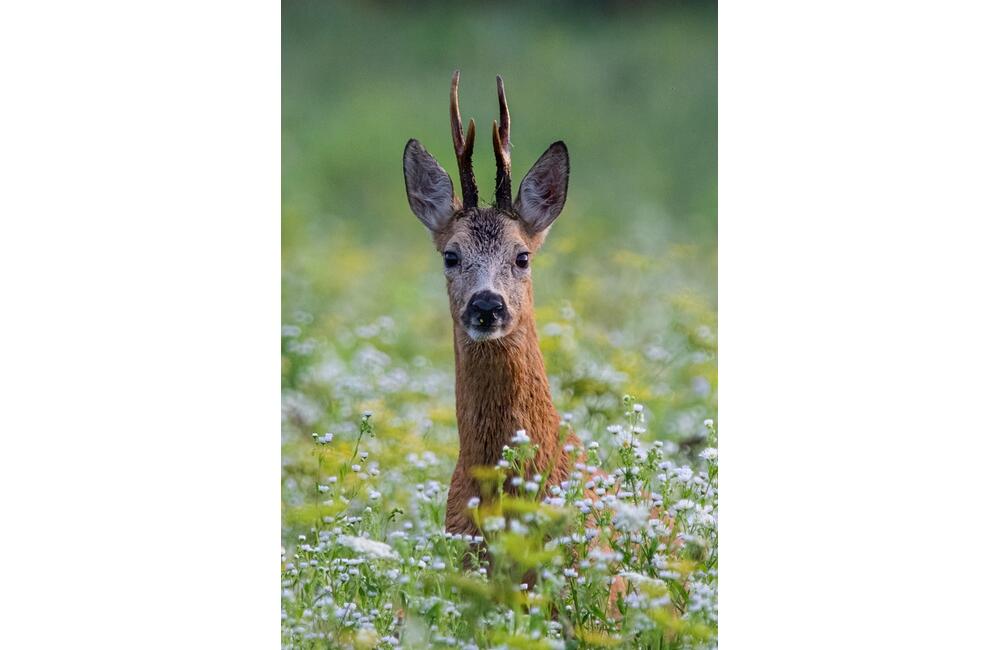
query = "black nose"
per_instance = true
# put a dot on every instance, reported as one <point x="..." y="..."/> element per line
<point x="485" y="308"/>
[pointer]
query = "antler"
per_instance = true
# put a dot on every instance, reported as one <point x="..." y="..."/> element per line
<point x="463" y="149"/>
<point x="501" y="147"/>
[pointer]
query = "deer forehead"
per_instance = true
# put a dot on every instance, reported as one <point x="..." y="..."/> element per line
<point x="485" y="234"/>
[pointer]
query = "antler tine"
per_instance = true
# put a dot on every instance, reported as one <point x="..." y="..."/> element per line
<point x="463" y="149"/>
<point x="501" y="148"/>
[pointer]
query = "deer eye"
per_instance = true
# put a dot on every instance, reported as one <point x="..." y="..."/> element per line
<point x="522" y="260"/>
<point x="450" y="259"/>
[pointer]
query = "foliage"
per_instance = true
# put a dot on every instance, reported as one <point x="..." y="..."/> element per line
<point x="377" y="569"/>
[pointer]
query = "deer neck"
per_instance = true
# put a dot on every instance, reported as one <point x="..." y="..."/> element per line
<point x="500" y="387"/>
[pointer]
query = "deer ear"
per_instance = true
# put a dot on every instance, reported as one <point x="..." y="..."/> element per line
<point x="542" y="194"/>
<point x="428" y="187"/>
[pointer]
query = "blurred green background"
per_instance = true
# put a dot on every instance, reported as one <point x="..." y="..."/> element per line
<point x="625" y="286"/>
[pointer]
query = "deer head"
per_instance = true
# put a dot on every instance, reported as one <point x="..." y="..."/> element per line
<point x="486" y="251"/>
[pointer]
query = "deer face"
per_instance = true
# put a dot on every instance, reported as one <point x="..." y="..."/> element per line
<point x="486" y="252"/>
<point x="487" y="264"/>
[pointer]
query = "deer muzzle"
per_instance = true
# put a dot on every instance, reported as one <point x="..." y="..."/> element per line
<point x="484" y="314"/>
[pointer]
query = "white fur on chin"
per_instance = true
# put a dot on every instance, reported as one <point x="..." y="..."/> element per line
<point x="476" y="335"/>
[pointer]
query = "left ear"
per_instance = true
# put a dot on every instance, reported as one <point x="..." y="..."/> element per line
<point x="542" y="194"/>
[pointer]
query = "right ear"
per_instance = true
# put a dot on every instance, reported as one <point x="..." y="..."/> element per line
<point x="428" y="187"/>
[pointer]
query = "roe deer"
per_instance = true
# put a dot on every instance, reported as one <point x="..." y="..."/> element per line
<point x="500" y="381"/>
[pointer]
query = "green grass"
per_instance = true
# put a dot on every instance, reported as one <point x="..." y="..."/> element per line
<point x="625" y="301"/>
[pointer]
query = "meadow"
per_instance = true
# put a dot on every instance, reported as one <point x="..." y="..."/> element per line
<point x="626" y="309"/>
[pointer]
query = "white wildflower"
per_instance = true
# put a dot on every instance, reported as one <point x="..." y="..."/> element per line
<point x="684" y="473"/>
<point x="368" y="547"/>
<point x="493" y="524"/>
<point x="641" y="579"/>
<point x="630" y="518"/>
